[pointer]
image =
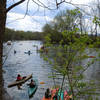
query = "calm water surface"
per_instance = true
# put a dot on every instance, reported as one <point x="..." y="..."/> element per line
<point x="26" y="64"/>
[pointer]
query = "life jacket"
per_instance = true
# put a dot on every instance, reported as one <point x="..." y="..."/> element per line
<point x="19" y="78"/>
<point x="32" y="85"/>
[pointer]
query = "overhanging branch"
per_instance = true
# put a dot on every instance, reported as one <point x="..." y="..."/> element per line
<point x="12" y="6"/>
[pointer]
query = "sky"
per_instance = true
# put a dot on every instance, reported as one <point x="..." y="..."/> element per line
<point x="36" y="16"/>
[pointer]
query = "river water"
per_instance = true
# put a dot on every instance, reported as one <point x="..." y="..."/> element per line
<point x="26" y="64"/>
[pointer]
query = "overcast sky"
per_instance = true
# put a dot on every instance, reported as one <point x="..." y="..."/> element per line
<point x="36" y="16"/>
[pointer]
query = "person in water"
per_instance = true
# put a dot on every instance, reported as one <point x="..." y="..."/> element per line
<point x="31" y="84"/>
<point x="29" y="52"/>
<point x="19" y="78"/>
<point x="47" y="93"/>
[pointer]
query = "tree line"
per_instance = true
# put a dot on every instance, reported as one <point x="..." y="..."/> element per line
<point x="11" y="34"/>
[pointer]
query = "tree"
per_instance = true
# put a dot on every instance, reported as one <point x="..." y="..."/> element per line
<point x="67" y="59"/>
<point x="68" y="20"/>
<point x="3" y="12"/>
<point x="95" y="12"/>
<point x="2" y="28"/>
<point x="65" y="20"/>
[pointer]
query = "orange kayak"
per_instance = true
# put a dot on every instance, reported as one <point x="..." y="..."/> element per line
<point x="46" y="98"/>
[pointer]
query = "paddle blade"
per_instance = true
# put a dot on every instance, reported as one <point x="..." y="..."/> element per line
<point x="42" y="82"/>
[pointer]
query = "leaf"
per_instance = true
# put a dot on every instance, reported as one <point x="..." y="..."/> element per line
<point x="51" y="76"/>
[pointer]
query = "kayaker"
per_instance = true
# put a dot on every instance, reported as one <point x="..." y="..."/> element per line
<point x="56" y="94"/>
<point x="32" y="84"/>
<point x="29" y="52"/>
<point x="42" y="47"/>
<point x="14" y="51"/>
<point x="47" y="93"/>
<point x="19" y="77"/>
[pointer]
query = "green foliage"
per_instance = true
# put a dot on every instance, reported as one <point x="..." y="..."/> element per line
<point x="47" y="38"/>
<point x="81" y="84"/>
<point x="96" y="20"/>
<point x="51" y="76"/>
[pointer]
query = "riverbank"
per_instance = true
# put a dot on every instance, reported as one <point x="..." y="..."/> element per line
<point x="5" y="95"/>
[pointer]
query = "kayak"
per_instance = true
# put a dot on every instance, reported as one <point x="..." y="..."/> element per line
<point x="8" y="42"/>
<point x="61" y="95"/>
<point x="28" y="53"/>
<point x="31" y="91"/>
<point x="20" y="82"/>
<point x="91" y="56"/>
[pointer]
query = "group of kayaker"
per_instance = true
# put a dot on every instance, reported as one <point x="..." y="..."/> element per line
<point x="50" y="94"/>
<point x="28" y="52"/>
<point x="19" y="78"/>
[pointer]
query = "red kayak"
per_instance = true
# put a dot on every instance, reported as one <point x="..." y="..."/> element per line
<point x="63" y="95"/>
<point x="52" y="94"/>
<point x="91" y="56"/>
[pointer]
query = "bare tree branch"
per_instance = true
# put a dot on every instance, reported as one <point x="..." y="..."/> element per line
<point x="12" y="6"/>
<point x="59" y="2"/>
<point x="43" y="5"/>
<point x="26" y="13"/>
<point x="87" y="66"/>
<point x="36" y="10"/>
<point x="26" y="8"/>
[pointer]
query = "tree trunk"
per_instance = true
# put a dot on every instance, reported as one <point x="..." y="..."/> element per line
<point x="2" y="29"/>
